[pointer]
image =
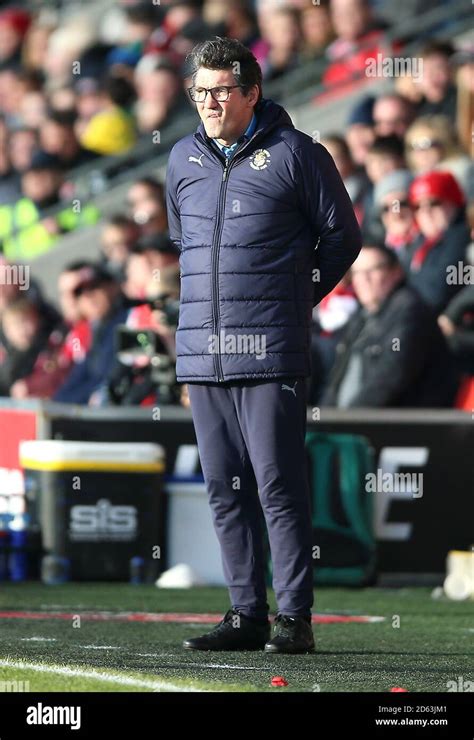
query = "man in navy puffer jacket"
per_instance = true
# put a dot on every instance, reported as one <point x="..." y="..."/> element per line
<point x="265" y="230"/>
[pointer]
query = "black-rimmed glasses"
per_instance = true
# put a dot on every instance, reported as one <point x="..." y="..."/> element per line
<point x="220" y="94"/>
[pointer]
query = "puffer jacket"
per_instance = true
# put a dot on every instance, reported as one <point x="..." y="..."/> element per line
<point x="262" y="238"/>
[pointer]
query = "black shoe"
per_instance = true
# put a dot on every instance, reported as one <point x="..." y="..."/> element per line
<point x="291" y="635"/>
<point x="234" y="632"/>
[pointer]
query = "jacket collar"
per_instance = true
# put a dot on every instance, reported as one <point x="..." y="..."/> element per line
<point x="269" y="116"/>
<point x="248" y="133"/>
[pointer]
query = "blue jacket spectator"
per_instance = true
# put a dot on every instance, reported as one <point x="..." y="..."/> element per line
<point x="100" y="303"/>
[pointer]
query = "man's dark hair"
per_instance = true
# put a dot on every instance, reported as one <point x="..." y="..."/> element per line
<point x="154" y="186"/>
<point x="223" y="53"/>
<point x="76" y="266"/>
<point x="121" y="221"/>
<point x="145" y="13"/>
<point x="435" y="47"/>
<point x="391" y="146"/>
<point x="389" y="255"/>
<point x="63" y="118"/>
<point x="246" y="10"/>
<point x="120" y="90"/>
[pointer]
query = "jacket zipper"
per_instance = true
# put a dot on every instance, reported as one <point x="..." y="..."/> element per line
<point x="216" y="242"/>
<point x="215" y="270"/>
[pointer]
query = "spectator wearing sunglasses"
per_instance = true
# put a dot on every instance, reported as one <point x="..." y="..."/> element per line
<point x="431" y="144"/>
<point x="440" y="213"/>
<point x="396" y="213"/>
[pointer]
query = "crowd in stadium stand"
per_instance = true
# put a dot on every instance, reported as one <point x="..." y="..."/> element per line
<point x="398" y="331"/>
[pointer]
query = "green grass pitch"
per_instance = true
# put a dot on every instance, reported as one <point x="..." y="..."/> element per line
<point x="420" y="645"/>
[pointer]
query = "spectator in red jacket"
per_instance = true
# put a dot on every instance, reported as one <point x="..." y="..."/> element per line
<point x="101" y="302"/>
<point x="359" y="37"/>
<point x="78" y="339"/>
<point x="432" y="262"/>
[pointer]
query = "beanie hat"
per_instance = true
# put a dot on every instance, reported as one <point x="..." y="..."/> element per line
<point x="362" y="111"/>
<point x="437" y="184"/>
<point x="398" y="181"/>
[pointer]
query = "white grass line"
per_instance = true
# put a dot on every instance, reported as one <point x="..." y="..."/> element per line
<point x="38" y="639"/>
<point x="205" y="665"/>
<point x="96" y="675"/>
<point x="230" y="667"/>
<point x="156" y="655"/>
<point x="99" y="647"/>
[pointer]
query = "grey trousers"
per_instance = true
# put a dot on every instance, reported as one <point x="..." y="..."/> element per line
<point x="251" y="441"/>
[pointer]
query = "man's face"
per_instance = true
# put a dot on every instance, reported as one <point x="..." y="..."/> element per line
<point x="138" y="275"/>
<point x="22" y="146"/>
<point x="426" y="149"/>
<point x="67" y="283"/>
<point x="145" y="207"/>
<point x="282" y="31"/>
<point x="390" y="117"/>
<point x="397" y="214"/>
<point x="360" y="138"/>
<point x="434" y="216"/>
<point x="57" y="139"/>
<point x="20" y="329"/>
<point x="160" y="85"/>
<point x="350" y="18"/>
<point x="436" y="77"/>
<point x="372" y="278"/>
<point x="95" y="303"/>
<point x="116" y="242"/>
<point x="316" y="25"/>
<point x="8" y="289"/>
<point x="40" y="184"/>
<point x="224" y="121"/>
<point x="378" y="165"/>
